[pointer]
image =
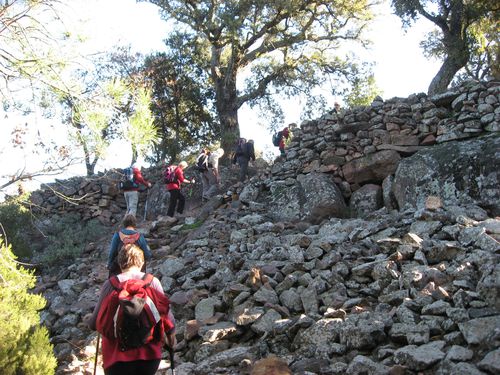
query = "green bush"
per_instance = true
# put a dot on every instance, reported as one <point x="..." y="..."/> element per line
<point x="67" y="237"/>
<point x="16" y="222"/>
<point x="24" y="346"/>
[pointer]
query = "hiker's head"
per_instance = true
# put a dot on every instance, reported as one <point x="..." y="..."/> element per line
<point x="250" y="141"/>
<point x="129" y="256"/>
<point x="183" y="164"/>
<point x="129" y="221"/>
<point x="136" y="165"/>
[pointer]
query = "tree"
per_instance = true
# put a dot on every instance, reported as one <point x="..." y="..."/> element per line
<point x="485" y="51"/>
<point x="141" y="130"/>
<point x="181" y="98"/>
<point x="91" y="112"/>
<point x="27" y="46"/>
<point x="285" y="47"/>
<point x="24" y="345"/>
<point x="454" y="41"/>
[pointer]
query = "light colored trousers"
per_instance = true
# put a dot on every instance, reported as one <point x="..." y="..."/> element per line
<point x="131" y="198"/>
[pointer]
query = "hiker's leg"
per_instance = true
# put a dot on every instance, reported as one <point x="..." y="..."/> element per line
<point x="126" y="195"/>
<point x="133" y="199"/>
<point x="182" y="202"/>
<point x="205" y="183"/>
<point x="139" y="367"/>
<point x="244" y="169"/>
<point x="212" y="182"/>
<point x="174" y="196"/>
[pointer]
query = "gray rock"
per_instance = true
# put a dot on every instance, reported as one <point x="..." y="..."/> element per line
<point x="364" y="365"/>
<point x="439" y="171"/>
<point x="478" y="331"/>
<point x="491" y="362"/>
<point x="459" y="353"/>
<point x="418" y="358"/>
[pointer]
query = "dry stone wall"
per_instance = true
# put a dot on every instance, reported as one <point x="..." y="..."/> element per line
<point x="364" y="145"/>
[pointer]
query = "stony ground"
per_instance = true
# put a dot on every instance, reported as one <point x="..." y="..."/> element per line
<point x="413" y="292"/>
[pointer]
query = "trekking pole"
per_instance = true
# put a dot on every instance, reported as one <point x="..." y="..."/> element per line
<point x="96" y="352"/>
<point x="171" y="353"/>
<point x="146" y="204"/>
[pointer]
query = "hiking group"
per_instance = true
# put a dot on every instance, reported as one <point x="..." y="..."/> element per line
<point x="133" y="313"/>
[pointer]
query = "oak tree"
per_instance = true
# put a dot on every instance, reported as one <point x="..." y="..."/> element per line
<point x="281" y="46"/>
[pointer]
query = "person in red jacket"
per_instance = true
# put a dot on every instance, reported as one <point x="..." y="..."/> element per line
<point x="144" y="360"/>
<point x="132" y="194"/>
<point x="285" y="133"/>
<point x="177" y="199"/>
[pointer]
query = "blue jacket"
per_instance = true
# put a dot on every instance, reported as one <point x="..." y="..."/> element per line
<point x="116" y="245"/>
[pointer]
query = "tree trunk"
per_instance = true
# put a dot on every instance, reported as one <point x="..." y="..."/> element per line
<point x="227" y="109"/>
<point x="457" y="55"/>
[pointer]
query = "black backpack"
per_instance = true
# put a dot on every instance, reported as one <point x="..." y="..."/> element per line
<point x="128" y="181"/>
<point x="241" y="149"/>
<point x="277" y="138"/>
<point x="202" y="163"/>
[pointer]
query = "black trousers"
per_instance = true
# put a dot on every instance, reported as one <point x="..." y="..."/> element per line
<point x="178" y="200"/>
<point x="140" y="367"/>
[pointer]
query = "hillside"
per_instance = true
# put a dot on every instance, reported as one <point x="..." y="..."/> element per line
<point x="372" y="248"/>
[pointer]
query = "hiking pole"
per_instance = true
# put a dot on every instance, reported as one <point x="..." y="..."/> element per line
<point x="146" y="204"/>
<point x="171" y="353"/>
<point x="96" y="352"/>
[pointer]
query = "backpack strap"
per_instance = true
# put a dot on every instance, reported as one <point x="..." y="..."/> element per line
<point x="125" y="238"/>
<point x="148" y="279"/>
<point x="115" y="282"/>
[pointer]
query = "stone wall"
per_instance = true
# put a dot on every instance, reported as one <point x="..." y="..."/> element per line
<point x="364" y="145"/>
<point x="360" y="147"/>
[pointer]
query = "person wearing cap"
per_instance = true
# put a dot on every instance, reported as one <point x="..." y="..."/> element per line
<point x="131" y="194"/>
<point x="212" y="174"/>
<point x="177" y="199"/>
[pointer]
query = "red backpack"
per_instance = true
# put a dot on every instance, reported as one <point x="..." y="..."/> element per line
<point x="170" y="176"/>
<point x="134" y="313"/>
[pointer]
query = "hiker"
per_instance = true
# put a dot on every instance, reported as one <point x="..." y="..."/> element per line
<point x="144" y="359"/>
<point x="177" y="199"/>
<point x="202" y="167"/>
<point x="128" y="234"/>
<point x="131" y="187"/>
<point x="285" y="134"/>
<point x="212" y="173"/>
<point x="244" y="153"/>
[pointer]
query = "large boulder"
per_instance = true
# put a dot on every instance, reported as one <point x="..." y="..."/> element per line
<point x="314" y="196"/>
<point x="372" y="167"/>
<point x="457" y="172"/>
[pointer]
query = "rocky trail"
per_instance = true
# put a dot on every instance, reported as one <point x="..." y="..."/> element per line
<point x="372" y="248"/>
<point x="394" y="293"/>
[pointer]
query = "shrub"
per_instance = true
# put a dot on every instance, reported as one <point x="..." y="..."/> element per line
<point x="16" y="222"/>
<point x="67" y="238"/>
<point x="24" y="346"/>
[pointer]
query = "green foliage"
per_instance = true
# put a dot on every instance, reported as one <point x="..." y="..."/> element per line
<point x="363" y="92"/>
<point x="24" y="346"/>
<point x="285" y="48"/>
<point x="15" y="219"/>
<point x="461" y="29"/>
<point x="182" y="100"/>
<point x="67" y="238"/>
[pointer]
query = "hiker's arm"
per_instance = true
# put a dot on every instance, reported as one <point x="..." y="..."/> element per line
<point x="113" y="249"/>
<point x="91" y="320"/>
<point x="138" y="177"/>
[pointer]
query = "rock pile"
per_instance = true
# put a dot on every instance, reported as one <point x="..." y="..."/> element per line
<point x="396" y="292"/>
